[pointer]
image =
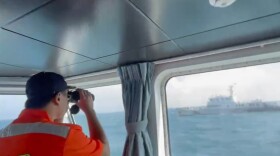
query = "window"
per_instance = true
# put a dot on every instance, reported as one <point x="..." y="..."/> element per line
<point x="10" y="107"/>
<point x="225" y="113"/>
<point x="109" y="108"/>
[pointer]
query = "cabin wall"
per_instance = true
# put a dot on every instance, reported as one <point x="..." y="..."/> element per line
<point x="240" y="56"/>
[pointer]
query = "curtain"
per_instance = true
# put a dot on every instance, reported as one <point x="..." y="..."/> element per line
<point x="137" y="89"/>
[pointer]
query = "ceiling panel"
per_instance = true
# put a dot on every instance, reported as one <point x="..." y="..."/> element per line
<point x="12" y="9"/>
<point x="82" y="68"/>
<point x="162" y="51"/>
<point x="10" y="71"/>
<point x="151" y="53"/>
<point x="77" y="37"/>
<point x="252" y="31"/>
<point x="24" y="52"/>
<point x="185" y="17"/>
<point x="92" y="28"/>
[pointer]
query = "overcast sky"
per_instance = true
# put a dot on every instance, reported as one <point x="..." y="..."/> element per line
<point x="107" y="99"/>
<point x="251" y="83"/>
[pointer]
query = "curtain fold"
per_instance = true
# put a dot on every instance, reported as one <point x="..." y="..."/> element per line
<point x="137" y="89"/>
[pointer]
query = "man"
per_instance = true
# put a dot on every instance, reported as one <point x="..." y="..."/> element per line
<point x="38" y="130"/>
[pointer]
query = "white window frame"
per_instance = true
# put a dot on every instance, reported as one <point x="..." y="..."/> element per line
<point x="257" y="53"/>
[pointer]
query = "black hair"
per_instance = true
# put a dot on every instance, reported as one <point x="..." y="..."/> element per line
<point x="34" y="104"/>
<point x="39" y="103"/>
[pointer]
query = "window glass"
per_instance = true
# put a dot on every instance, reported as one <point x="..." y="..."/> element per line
<point x="109" y="108"/>
<point x="225" y="113"/>
<point x="10" y="107"/>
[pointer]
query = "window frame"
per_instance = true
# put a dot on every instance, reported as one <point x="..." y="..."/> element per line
<point x="258" y="53"/>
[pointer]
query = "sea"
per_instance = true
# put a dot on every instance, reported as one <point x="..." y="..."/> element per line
<point x="244" y="134"/>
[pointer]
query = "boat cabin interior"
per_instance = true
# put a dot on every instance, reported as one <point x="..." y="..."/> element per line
<point x="136" y="46"/>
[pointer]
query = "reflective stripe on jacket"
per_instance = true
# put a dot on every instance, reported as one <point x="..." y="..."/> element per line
<point x="34" y="134"/>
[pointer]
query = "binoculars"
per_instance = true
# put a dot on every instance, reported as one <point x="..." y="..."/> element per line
<point x="74" y="97"/>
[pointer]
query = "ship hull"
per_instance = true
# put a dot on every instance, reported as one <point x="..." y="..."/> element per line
<point x="242" y="108"/>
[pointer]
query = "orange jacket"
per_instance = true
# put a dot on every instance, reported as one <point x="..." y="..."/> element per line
<point x="34" y="134"/>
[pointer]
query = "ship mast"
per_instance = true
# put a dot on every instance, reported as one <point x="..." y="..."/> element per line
<point x="231" y="90"/>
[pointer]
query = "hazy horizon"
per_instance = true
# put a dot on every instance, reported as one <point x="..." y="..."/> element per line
<point x="251" y="83"/>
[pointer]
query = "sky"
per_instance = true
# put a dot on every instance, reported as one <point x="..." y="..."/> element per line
<point x="107" y="99"/>
<point x="250" y="83"/>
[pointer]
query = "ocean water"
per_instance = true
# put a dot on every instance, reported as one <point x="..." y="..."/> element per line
<point x="247" y="134"/>
<point x="3" y="123"/>
<point x="113" y="125"/>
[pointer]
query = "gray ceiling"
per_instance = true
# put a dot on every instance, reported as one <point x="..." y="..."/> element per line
<point x="77" y="37"/>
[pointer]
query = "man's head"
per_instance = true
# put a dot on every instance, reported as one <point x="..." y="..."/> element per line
<point x="47" y="89"/>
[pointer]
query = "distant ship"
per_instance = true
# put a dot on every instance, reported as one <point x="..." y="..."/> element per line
<point x="227" y="105"/>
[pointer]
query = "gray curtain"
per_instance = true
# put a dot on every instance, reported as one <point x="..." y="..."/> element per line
<point x="137" y="89"/>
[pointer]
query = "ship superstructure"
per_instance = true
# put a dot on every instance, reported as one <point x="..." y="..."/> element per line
<point x="227" y="104"/>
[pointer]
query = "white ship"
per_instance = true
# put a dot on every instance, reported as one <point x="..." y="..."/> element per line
<point x="227" y="105"/>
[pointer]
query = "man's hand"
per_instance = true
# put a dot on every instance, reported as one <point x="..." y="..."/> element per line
<point x="95" y="128"/>
<point x="86" y="100"/>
